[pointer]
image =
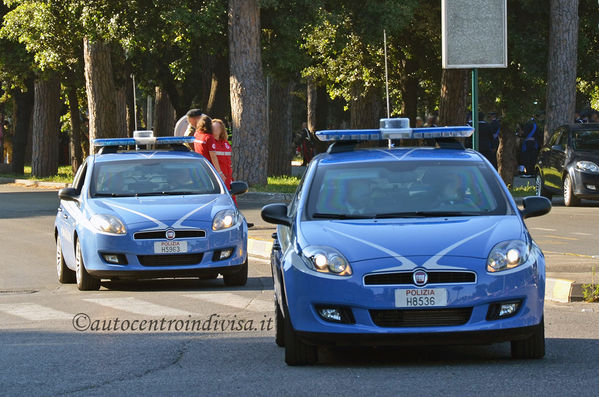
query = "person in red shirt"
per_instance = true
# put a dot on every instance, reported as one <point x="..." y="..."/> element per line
<point x="223" y="152"/>
<point x="205" y="144"/>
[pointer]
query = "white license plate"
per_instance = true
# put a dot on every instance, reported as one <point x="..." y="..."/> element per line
<point x="424" y="297"/>
<point x="170" y="247"/>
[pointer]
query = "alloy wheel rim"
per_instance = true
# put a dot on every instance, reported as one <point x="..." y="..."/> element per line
<point x="567" y="189"/>
<point x="538" y="183"/>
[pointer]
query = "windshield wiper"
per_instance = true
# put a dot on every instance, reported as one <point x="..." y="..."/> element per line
<point x="424" y="214"/>
<point x="112" y="195"/>
<point x="340" y="216"/>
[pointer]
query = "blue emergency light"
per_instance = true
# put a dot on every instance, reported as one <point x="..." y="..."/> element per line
<point x="144" y="138"/>
<point x="396" y="128"/>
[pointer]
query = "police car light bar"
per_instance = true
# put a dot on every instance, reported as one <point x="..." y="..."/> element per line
<point x="397" y="128"/>
<point x="143" y="138"/>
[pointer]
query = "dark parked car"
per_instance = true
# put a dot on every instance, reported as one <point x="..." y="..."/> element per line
<point x="569" y="164"/>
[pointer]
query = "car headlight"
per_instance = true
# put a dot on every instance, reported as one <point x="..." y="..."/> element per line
<point x="108" y="224"/>
<point x="327" y="260"/>
<point x="587" y="166"/>
<point x="507" y="255"/>
<point x="225" y="219"/>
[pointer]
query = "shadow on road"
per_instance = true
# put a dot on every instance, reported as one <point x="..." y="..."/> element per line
<point x="185" y="284"/>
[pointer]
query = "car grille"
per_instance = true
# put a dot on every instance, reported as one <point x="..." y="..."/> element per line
<point x="421" y="317"/>
<point x="161" y="234"/>
<point x="170" y="260"/>
<point x="406" y="278"/>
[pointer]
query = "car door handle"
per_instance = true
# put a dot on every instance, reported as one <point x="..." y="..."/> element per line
<point x="65" y="216"/>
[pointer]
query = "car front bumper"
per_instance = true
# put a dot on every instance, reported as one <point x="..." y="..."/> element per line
<point x="305" y="292"/>
<point x="143" y="262"/>
<point x="586" y="185"/>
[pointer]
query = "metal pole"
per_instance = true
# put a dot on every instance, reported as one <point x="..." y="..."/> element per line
<point x="389" y="143"/>
<point x="475" y="108"/>
<point x="134" y="103"/>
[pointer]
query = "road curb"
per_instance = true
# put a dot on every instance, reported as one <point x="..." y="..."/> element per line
<point x="34" y="183"/>
<point x="556" y="289"/>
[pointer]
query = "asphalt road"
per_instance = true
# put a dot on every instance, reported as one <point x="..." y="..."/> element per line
<point x="41" y="352"/>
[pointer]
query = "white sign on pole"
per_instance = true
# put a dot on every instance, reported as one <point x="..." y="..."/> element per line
<point x="474" y="34"/>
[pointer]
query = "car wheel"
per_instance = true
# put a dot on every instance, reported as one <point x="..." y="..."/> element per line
<point x="540" y="187"/>
<point x="531" y="347"/>
<point x="65" y="275"/>
<point x="279" y="326"/>
<point x="570" y="199"/>
<point x="238" y="278"/>
<point x="296" y="351"/>
<point x="85" y="282"/>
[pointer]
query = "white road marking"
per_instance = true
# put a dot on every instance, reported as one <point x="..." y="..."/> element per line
<point x="33" y="312"/>
<point x="234" y="300"/>
<point x="543" y="229"/>
<point x="138" y="306"/>
<point x="581" y="234"/>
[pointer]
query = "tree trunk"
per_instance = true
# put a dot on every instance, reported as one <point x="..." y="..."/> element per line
<point x="121" y="112"/>
<point x="101" y="92"/>
<point x="248" y="102"/>
<point x="280" y="149"/>
<point x="561" y="70"/>
<point x="46" y="118"/>
<point x="23" y="111"/>
<point x="507" y="154"/>
<point x="75" y="142"/>
<point x="219" y="103"/>
<point x="365" y="109"/>
<point x="164" y="114"/>
<point x="454" y="97"/>
<point x="322" y="111"/>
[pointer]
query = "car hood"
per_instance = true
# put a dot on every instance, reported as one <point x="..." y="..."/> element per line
<point x="418" y="240"/>
<point x="586" y="155"/>
<point x="162" y="211"/>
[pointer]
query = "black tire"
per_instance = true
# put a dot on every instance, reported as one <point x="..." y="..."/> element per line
<point x="65" y="275"/>
<point x="85" y="282"/>
<point x="570" y="200"/>
<point x="238" y="278"/>
<point x="531" y="347"/>
<point x="540" y="189"/>
<point x="296" y="351"/>
<point x="279" y="326"/>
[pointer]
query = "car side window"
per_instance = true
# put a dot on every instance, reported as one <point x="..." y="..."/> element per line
<point x="80" y="176"/>
<point x="563" y="139"/>
<point x="555" y="137"/>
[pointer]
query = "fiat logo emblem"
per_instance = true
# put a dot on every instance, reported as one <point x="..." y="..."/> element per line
<point x="420" y="277"/>
<point x="170" y="234"/>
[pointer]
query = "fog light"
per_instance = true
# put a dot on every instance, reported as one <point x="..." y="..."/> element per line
<point x="117" y="259"/>
<point x="591" y="187"/>
<point x="224" y="254"/>
<point x="330" y="314"/>
<point x="508" y="309"/>
<point x="503" y="310"/>
<point x="336" y="314"/>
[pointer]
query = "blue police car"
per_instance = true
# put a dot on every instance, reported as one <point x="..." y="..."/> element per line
<point x="147" y="207"/>
<point x="407" y="245"/>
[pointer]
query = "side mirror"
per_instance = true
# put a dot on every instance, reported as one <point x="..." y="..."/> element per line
<point x="276" y="213"/>
<point x="69" y="194"/>
<point x="238" y="187"/>
<point x="535" y="206"/>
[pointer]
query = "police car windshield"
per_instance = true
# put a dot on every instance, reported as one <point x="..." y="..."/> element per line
<point x="405" y="190"/>
<point x="151" y="177"/>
